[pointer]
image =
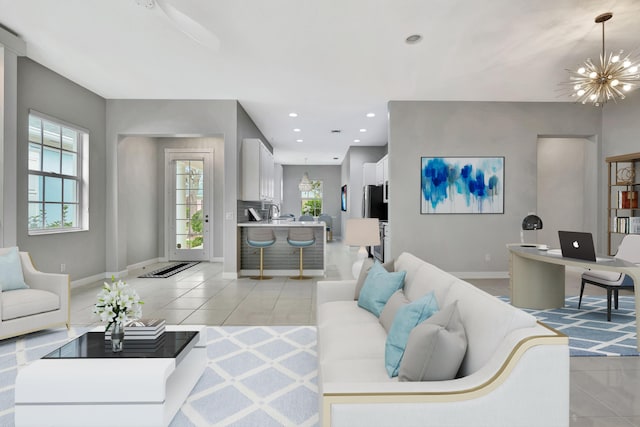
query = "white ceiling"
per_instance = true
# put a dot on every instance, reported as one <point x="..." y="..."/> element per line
<point x="330" y="61"/>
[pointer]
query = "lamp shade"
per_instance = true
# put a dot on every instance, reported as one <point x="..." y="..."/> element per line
<point x="531" y="222"/>
<point x="362" y="232"/>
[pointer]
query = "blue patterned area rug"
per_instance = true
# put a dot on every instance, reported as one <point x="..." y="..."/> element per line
<point x="589" y="332"/>
<point x="256" y="376"/>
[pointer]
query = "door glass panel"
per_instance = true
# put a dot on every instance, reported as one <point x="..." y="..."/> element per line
<point x="189" y="203"/>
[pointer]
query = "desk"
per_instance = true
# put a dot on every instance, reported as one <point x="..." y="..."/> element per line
<point x="537" y="278"/>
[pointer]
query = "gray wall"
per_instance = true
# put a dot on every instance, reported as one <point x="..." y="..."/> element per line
<point x="47" y="92"/>
<point x="330" y="177"/>
<point x="461" y="243"/>
<point x="138" y="193"/>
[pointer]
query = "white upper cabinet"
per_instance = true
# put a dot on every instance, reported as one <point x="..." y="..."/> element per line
<point x="277" y="181"/>
<point x="382" y="176"/>
<point x="257" y="171"/>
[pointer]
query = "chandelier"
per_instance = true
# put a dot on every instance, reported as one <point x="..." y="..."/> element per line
<point x="607" y="80"/>
<point x="305" y="183"/>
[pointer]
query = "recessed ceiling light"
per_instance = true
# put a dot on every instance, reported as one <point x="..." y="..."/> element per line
<point x="335" y="131"/>
<point x="335" y="158"/>
<point x="356" y="140"/>
<point x="371" y="114"/>
<point x="299" y="140"/>
<point x="413" y="39"/>
<point x="296" y="130"/>
<point x="293" y="114"/>
<point x="363" y="130"/>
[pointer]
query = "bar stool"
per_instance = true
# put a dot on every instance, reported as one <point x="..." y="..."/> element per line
<point x="259" y="237"/>
<point x="301" y="237"/>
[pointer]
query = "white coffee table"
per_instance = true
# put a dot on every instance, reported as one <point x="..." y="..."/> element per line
<point x="79" y="388"/>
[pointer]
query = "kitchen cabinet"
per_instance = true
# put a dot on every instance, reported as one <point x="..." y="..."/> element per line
<point x="382" y="177"/>
<point x="257" y="171"/>
<point x="277" y="184"/>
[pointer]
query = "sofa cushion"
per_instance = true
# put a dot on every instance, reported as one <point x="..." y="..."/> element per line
<point x="397" y="300"/>
<point x="364" y="271"/>
<point x="27" y="302"/>
<point x="406" y="319"/>
<point x="378" y="288"/>
<point x="435" y="348"/>
<point x="343" y="312"/>
<point x="11" y="276"/>
<point x="487" y="321"/>
<point x="351" y="342"/>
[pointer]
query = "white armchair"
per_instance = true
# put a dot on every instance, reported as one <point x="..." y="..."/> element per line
<point x="43" y="305"/>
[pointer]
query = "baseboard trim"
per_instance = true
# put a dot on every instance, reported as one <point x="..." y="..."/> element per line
<point x="230" y="276"/>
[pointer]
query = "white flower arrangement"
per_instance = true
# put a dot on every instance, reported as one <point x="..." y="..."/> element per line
<point x="117" y="303"/>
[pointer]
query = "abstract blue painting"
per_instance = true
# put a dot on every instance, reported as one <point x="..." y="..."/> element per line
<point x="462" y="185"/>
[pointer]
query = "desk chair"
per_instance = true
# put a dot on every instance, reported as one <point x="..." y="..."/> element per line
<point x="301" y="237"/>
<point x="259" y="237"/>
<point x="629" y="250"/>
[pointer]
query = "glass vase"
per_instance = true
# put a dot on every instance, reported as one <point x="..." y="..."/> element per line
<point x="117" y="337"/>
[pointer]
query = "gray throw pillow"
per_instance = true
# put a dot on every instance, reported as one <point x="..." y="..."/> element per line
<point x="435" y="348"/>
<point x="364" y="271"/>
<point x="397" y="300"/>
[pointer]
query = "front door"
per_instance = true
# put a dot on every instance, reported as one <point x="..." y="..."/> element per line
<point x="189" y="212"/>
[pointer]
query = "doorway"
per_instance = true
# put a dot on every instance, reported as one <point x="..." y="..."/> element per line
<point x="566" y="187"/>
<point x="189" y="179"/>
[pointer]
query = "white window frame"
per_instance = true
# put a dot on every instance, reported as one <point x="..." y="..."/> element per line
<point x="81" y="176"/>
<point x="309" y="195"/>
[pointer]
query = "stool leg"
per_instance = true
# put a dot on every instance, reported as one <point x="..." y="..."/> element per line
<point x="301" y="276"/>
<point x="262" y="276"/>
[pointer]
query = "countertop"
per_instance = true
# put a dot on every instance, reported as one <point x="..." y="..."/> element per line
<point x="281" y="223"/>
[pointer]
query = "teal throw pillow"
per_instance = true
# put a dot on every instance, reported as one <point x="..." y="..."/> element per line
<point x="378" y="288"/>
<point x="11" y="277"/>
<point x="407" y="318"/>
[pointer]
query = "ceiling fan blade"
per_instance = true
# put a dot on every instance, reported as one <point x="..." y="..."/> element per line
<point x="189" y="26"/>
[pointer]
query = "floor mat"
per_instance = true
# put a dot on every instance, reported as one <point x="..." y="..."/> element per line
<point x="169" y="271"/>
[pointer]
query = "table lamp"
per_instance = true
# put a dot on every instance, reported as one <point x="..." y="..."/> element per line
<point x="361" y="232"/>
<point x="530" y="222"/>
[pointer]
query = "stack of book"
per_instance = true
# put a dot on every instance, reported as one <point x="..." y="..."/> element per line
<point x="142" y="329"/>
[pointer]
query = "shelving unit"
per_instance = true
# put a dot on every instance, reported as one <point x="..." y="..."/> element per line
<point x="622" y="209"/>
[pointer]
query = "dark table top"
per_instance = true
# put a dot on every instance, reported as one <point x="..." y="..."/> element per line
<point x="93" y="345"/>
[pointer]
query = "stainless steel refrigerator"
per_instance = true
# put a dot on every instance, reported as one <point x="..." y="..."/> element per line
<point x="372" y="203"/>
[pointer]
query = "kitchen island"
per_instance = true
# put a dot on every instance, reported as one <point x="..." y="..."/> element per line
<point x="282" y="259"/>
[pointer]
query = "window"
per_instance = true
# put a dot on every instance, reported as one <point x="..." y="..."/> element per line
<point x="312" y="200"/>
<point x="58" y="176"/>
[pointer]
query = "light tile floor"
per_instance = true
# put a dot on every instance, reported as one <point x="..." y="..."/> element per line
<point x="605" y="391"/>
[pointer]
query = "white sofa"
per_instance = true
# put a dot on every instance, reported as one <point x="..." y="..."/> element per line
<point x="45" y="304"/>
<point x="515" y="371"/>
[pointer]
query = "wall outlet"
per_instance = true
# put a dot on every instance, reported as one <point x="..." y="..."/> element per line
<point x="487" y="257"/>
<point x="63" y="267"/>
